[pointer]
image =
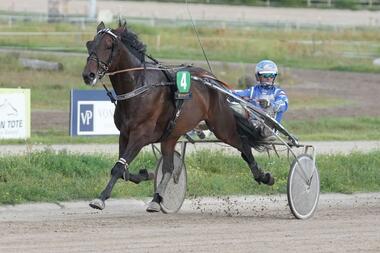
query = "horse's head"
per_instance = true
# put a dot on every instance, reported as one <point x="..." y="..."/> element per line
<point x="111" y="50"/>
<point x="102" y="51"/>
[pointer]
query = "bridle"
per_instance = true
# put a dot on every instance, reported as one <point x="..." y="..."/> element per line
<point x="103" y="66"/>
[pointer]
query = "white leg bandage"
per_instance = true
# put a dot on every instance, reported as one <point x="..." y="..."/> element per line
<point x="123" y="161"/>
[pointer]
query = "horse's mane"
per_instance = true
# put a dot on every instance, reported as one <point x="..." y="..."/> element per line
<point x="132" y="42"/>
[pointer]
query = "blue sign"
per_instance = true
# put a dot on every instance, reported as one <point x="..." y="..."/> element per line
<point x="91" y="113"/>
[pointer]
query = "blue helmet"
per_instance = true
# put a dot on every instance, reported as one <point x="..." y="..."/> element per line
<point x="266" y="67"/>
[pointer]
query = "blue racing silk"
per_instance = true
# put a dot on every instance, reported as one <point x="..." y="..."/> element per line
<point x="275" y="95"/>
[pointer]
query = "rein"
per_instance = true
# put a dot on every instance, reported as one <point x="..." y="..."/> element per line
<point x="141" y="68"/>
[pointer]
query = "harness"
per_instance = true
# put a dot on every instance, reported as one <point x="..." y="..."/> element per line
<point x="145" y="87"/>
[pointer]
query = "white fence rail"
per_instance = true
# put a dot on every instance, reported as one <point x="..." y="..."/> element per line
<point x="332" y="3"/>
<point x="289" y="24"/>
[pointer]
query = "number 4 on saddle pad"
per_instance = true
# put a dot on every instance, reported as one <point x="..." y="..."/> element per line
<point x="183" y="82"/>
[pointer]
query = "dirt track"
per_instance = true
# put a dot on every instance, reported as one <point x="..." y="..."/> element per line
<point x="343" y="223"/>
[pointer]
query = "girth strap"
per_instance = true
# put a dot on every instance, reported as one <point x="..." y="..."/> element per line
<point x="172" y="123"/>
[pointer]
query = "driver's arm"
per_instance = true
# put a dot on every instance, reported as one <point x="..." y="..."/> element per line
<point x="281" y="101"/>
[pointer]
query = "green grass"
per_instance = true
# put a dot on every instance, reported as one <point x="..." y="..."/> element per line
<point x="307" y="102"/>
<point x="45" y="176"/>
<point x="217" y="174"/>
<point x="344" y="128"/>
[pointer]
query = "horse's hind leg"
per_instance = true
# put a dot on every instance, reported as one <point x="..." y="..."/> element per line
<point x="167" y="151"/>
<point x="225" y="129"/>
<point x="257" y="173"/>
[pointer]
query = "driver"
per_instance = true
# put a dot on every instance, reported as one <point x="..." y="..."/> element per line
<point x="266" y="95"/>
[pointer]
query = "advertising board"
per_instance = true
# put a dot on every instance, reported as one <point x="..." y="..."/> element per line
<point x="91" y="113"/>
<point x="14" y="113"/>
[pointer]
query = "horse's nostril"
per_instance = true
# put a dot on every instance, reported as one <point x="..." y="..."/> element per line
<point x="92" y="75"/>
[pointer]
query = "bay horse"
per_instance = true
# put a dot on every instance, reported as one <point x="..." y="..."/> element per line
<point x="146" y="107"/>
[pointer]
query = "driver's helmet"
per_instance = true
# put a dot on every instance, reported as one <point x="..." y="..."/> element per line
<point x="266" y="69"/>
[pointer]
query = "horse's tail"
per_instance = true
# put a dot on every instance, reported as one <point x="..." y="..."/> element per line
<point x="245" y="129"/>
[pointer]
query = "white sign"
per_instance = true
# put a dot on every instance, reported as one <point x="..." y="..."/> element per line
<point x="96" y="118"/>
<point x="14" y="113"/>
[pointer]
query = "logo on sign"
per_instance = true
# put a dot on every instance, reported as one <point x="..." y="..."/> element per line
<point x="86" y="117"/>
<point x="7" y="109"/>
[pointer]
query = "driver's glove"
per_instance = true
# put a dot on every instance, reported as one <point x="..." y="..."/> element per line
<point x="264" y="103"/>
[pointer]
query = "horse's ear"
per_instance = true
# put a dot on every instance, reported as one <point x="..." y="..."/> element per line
<point x="89" y="45"/>
<point x="122" y="23"/>
<point x="100" y="26"/>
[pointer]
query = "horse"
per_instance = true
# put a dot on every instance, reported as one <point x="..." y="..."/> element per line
<point x="147" y="112"/>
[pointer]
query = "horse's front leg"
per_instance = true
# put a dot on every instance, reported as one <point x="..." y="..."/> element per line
<point x="128" y="150"/>
<point x="167" y="151"/>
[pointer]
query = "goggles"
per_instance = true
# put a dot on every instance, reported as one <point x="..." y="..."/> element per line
<point x="268" y="75"/>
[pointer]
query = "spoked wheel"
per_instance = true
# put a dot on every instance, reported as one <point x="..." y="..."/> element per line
<point x="303" y="187"/>
<point x="174" y="195"/>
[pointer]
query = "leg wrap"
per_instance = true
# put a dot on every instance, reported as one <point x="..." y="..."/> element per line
<point x="123" y="161"/>
<point x="120" y="170"/>
<point x="125" y="175"/>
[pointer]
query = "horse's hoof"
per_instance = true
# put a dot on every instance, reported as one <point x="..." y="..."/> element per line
<point x="97" y="204"/>
<point x="153" y="207"/>
<point x="266" y="178"/>
<point x="146" y="175"/>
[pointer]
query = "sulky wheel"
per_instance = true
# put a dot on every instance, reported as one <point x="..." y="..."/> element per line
<point x="303" y="187"/>
<point x="174" y="195"/>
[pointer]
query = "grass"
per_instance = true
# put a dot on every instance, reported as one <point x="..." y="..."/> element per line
<point x="306" y="101"/>
<point x="345" y="128"/>
<point x="46" y="176"/>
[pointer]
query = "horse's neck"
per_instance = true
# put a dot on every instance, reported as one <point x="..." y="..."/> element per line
<point x="126" y="81"/>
